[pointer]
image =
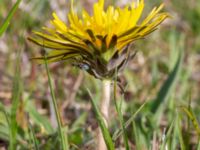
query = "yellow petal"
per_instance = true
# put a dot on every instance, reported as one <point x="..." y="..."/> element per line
<point x="136" y="14"/>
<point x="58" y="23"/>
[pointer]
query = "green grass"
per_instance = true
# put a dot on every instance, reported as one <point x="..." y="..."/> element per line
<point x="104" y="129"/>
<point x="62" y="133"/>
<point x="16" y="96"/>
<point x="6" y="23"/>
<point x="159" y="109"/>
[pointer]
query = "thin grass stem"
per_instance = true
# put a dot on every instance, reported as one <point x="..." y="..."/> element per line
<point x="118" y="108"/>
<point x="63" y="137"/>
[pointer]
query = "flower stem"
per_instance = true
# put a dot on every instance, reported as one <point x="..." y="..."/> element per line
<point x="63" y="137"/>
<point x="104" y="108"/>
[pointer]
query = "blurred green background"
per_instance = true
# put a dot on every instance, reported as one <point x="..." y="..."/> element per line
<point x="165" y="74"/>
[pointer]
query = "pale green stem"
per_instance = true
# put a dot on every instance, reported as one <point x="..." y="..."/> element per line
<point x="104" y="108"/>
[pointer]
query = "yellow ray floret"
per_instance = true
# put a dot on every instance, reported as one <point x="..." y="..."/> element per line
<point x="99" y="35"/>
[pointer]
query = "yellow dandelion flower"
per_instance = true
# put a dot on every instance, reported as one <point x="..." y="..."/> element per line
<point x="98" y="43"/>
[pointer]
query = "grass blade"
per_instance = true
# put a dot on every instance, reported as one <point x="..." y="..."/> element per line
<point x="105" y="132"/>
<point x="168" y="85"/>
<point x="193" y="118"/>
<point x="37" y="118"/>
<point x="128" y="122"/>
<point x="136" y="135"/>
<point x="33" y="137"/>
<point x="16" y="93"/>
<point x="167" y="137"/>
<point x="4" y="122"/>
<point x="198" y="146"/>
<point x="179" y="130"/>
<point x="80" y="121"/>
<point x="6" y="23"/>
<point x="63" y="137"/>
<point x="125" y="136"/>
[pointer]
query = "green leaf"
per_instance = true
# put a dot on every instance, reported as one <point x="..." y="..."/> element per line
<point x="38" y="118"/>
<point x="4" y="132"/>
<point x="104" y="129"/>
<point x="5" y="126"/>
<point x="168" y="85"/>
<point x="6" y="23"/>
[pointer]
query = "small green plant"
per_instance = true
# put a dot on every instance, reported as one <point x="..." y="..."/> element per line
<point x="148" y="103"/>
<point x="99" y="44"/>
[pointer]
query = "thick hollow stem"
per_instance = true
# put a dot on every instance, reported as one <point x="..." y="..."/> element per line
<point x="104" y="108"/>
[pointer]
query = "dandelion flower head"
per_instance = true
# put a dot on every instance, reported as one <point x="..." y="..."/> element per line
<point x="98" y="43"/>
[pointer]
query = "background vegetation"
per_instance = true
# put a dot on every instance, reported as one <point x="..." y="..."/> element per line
<point x="161" y="103"/>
